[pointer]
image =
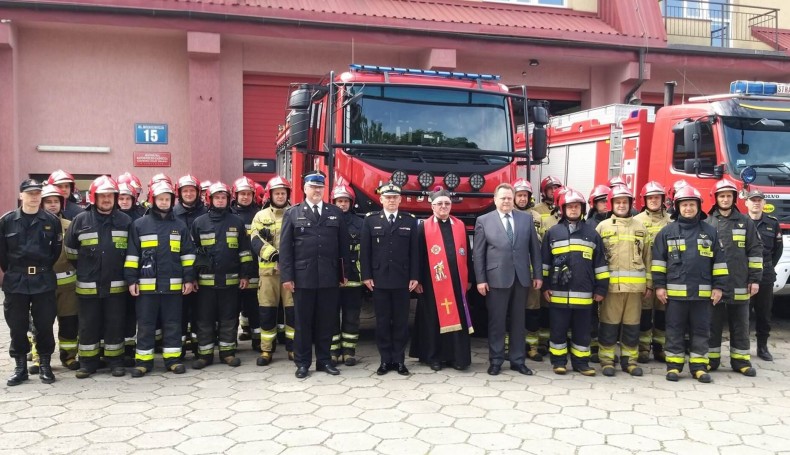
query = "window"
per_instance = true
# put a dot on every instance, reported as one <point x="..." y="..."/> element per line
<point x="707" y="150"/>
<point x="716" y="12"/>
<point x="560" y="3"/>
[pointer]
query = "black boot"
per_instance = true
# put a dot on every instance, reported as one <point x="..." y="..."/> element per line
<point x="762" y="351"/>
<point x="46" y="375"/>
<point x="20" y="372"/>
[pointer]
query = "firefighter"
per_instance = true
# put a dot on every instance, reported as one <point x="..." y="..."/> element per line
<point x="548" y="186"/>
<point x="344" y="343"/>
<point x="771" y="235"/>
<point x="265" y="240"/>
<point x="689" y="271"/>
<point x="65" y="183"/>
<point x="155" y="179"/>
<point x="128" y="197"/>
<point x="313" y="255"/>
<point x="523" y="201"/>
<point x="203" y="195"/>
<point x="223" y="266"/>
<point x="652" y="325"/>
<point x="96" y="244"/>
<point x="576" y="274"/>
<point x="245" y="207"/>
<point x="670" y="204"/>
<point x="188" y="208"/>
<point x="159" y="271"/>
<point x="599" y="205"/>
<point x="52" y="200"/>
<point x="31" y="241"/>
<point x="744" y="256"/>
<point x="628" y="257"/>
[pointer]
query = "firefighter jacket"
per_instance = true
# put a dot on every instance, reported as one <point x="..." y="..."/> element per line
<point x="688" y="260"/>
<point x="314" y="252"/>
<point x="29" y="248"/>
<point x="536" y="218"/>
<point x="574" y="265"/>
<point x="65" y="272"/>
<point x="388" y="254"/>
<point x="354" y="225"/>
<point x="223" y="254"/>
<point x="71" y="209"/>
<point x="246" y="213"/>
<point x="545" y="211"/>
<point x="653" y="222"/>
<point x="625" y="242"/>
<point x="743" y="249"/>
<point x="96" y="245"/>
<point x="161" y="254"/>
<point x="189" y="214"/>
<point x="265" y="238"/>
<point x="771" y="235"/>
<point x="135" y="212"/>
<point x="594" y="218"/>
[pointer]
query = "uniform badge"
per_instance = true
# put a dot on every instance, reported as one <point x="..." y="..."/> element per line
<point x="232" y="229"/>
<point x="47" y="228"/>
<point x="332" y="217"/>
<point x="436" y="249"/>
<point x="462" y="251"/>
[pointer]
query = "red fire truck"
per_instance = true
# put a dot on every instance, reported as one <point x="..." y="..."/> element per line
<point x="417" y="128"/>
<point x="740" y="136"/>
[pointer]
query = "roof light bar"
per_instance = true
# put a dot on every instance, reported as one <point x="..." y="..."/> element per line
<point x="759" y="88"/>
<point x="447" y="74"/>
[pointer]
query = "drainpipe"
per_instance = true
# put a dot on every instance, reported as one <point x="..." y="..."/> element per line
<point x="641" y="79"/>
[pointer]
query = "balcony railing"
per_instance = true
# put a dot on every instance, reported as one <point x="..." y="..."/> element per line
<point x="718" y="23"/>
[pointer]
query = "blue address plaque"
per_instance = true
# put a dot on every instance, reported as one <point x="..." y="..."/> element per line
<point x="150" y="133"/>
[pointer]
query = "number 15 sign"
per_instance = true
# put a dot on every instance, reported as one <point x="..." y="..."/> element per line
<point x="150" y="133"/>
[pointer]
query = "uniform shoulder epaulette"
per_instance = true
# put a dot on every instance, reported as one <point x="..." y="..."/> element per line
<point x="411" y="215"/>
<point x="7" y="213"/>
<point x="371" y="214"/>
<point x="769" y="216"/>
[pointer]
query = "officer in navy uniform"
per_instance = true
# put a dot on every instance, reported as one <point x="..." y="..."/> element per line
<point x="314" y="261"/>
<point x="390" y="269"/>
<point x="31" y="240"/>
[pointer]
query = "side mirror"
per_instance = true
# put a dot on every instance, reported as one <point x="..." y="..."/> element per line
<point x="298" y="129"/>
<point x="300" y="99"/>
<point x="539" y="143"/>
<point x="718" y="171"/>
<point x="691" y="134"/>
<point x="540" y="115"/>
<point x="691" y="166"/>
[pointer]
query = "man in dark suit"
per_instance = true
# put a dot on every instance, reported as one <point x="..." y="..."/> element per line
<point x="313" y="250"/>
<point x="389" y="261"/>
<point x="505" y="247"/>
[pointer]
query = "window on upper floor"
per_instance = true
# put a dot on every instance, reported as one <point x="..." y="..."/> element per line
<point x="559" y="3"/>
<point x="717" y="12"/>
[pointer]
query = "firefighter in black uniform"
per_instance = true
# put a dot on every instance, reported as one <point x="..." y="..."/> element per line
<point x="313" y="255"/>
<point x="575" y="275"/>
<point x="31" y="240"/>
<point x="65" y="182"/>
<point x="771" y="235"/>
<point x="390" y="269"/>
<point x="244" y="206"/>
<point x="223" y="265"/>
<point x="744" y="252"/>
<point x="689" y="271"/>
<point x="159" y="270"/>
<point x="128" y="197"/>
<point x="96" y="243"/>
<point x="344" y="342"/>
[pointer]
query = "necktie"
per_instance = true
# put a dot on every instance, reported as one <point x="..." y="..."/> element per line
<point x="392" y="218"/>
<point x="316" y="212"/>
<point x="509" y="228"/>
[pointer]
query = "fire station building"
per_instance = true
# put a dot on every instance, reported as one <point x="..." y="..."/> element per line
<point x="199" y="86"/>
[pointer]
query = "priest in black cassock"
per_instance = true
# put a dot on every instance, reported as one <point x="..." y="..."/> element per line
<point x="442" y="326"/>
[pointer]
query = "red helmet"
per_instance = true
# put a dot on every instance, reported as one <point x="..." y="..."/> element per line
<point x="569" y="196"/>
<point x="621" y="191"/>
<point x="218" y="187"/>
<point x="549" y="181"/>
<point x="277" y="182"/>
<point x="162" y="187"/>
<point x="159" y="178"/>
<point x="652" y="188"/>
<point x="343" y="190"/>
<point x="243" y="184"/>
<point x="103" y="184"/>
<point x="60" y="176"/>
<point x="127" y="189"/>
<point x="52" y="190"/>
<point x="676" y="187"/>
<point x="559" y="193"/>
<point x="133" y="182"/>
<point x="259" y="194"/>
<point x="187" y="180"/>
<point x="723" y="185"/>
<point x="617" y="180"/>
<point x="522" y="185"/>
<point x="204" y="185"/>
<point x="686" y="193"/>
<point x="599" y="192"/>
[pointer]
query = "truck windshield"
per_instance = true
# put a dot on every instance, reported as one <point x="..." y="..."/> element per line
<point x="759" y="143"/>
<point x="428" y="117"/>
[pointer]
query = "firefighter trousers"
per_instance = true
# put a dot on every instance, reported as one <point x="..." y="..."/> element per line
<point x="188" y="304"/>
<point x="248" y="305"/>
<point x="130" y="327"/>
<point x="316" y="320"/>
<point x="692" y="316"/>
<point x="345" y="340"/>
<point x="762" y="302"/>
<point x="167" y="308"/>
<point x="17" y="309"/>
<point x="68" y="322"/>
<point x="102" y="319"/>
<point x="216" y="315"/>
<point x="392" y="323"/>
<point x="532" y="318"/>
<point x="652" y="325"/>
<point x="576" y="318"/>
<point x="620" y="314"/>
<point x="736" y="316"/>
<point x="270" y="294"/>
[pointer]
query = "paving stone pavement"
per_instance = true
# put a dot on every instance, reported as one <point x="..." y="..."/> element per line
<point x="266" y="410"/>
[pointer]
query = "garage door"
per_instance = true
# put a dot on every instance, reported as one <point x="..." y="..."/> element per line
<point x="264" y="110"/>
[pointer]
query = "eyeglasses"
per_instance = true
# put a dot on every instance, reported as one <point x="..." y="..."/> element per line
<point x="442" y="203"/>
